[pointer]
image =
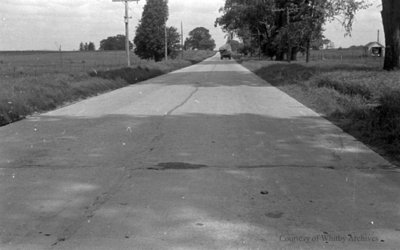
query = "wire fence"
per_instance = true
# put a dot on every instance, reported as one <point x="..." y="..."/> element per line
<point x="338" y="55"/>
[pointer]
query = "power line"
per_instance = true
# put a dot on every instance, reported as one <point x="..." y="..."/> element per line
<point x="126" y="20"/>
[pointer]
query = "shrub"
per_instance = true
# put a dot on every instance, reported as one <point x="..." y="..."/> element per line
<point x="130" y="75"/>
<point x="387" y="116"/>
<point x="343" y="87"/>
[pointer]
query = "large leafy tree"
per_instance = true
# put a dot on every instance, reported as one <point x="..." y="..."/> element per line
<point x="200" y="38"/>
<point x="150" y="34"/>
<point x="112" y="43"/>
<point x="391" y="25"/>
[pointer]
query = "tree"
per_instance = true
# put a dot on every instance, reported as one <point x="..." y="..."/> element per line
<point x="173" y="41"/>
<point x="235" y="45"/>
<point x="391" y="25"/>
<point x="81" y="47"/>
<point x="200" y="38"/>
<point x="251" y="21"/>
<point x="91" y="46"/>
<point x="87" y="46"/>
<point x="150" y="34"/>
<point x="114" y="43"/>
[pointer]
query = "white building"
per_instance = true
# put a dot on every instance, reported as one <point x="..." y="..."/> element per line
<point x="374" y="49"/>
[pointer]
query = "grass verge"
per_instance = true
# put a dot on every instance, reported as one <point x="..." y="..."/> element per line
<point x="25" y="95"/>
<point x="358" y="97"/>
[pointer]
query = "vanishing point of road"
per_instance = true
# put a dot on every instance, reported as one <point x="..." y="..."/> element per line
<point x="206" y="157"/>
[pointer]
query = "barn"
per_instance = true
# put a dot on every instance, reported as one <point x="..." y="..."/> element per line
<point x="374" y="49"/>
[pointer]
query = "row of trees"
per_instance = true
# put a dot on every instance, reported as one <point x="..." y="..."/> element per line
<point x="199" y="39"/>
<point x="111" y="43"/>
<point x="87" y="46"/>
<point x="114" y="43"/>
<point x="281" y="28"/>
<point x="152" y="33"/>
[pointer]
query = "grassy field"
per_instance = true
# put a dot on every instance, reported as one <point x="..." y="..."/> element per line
<point x="14" y="64"/>
<point x="25" y="93"/>
<point x="26" y="63"/>
<point x="357" y="95"/>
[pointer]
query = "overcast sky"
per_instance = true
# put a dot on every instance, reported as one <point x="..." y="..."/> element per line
<point x="44" y="24"/>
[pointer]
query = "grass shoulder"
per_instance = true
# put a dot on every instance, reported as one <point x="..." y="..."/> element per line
<point x="357" y="96"/>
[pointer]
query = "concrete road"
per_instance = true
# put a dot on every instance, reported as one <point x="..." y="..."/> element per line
<point x="207" y="157"/>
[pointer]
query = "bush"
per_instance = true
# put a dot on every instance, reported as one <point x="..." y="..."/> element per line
<point x="130" y="75"/>
<point x="285" y="74"/>
<point x="387" y="117"/>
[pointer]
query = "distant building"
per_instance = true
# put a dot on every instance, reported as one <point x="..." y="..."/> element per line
<point x="374" y="49"/>
<point x="327" y="44"/>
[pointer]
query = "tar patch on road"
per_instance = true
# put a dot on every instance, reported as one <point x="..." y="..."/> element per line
<point x="274" y="215"/>
<point x="177" y="165"/>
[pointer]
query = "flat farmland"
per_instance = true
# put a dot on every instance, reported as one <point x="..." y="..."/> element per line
<point x="16" y="63"/>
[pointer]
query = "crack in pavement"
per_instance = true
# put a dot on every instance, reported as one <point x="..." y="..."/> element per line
<point x="89" y="210"/>
<point x="184" y="101"/>
<point x="158" y="129"/>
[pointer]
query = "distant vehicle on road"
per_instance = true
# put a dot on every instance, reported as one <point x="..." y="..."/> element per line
<point x="225" y="51"/>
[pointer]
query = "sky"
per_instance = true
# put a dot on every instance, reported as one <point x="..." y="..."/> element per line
<point x="49" y="25"/>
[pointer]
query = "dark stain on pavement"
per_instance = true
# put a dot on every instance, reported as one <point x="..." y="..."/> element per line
<point x="177" y="165"/>
<point x="274" y="215"/>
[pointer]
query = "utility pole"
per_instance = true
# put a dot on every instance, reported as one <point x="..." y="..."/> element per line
<point x="126" y="19"/>
<point x="182" y="40"/>
<point x="378" y="37"/>
<point x="166" y="41"/>
<point x="288" y="28"/>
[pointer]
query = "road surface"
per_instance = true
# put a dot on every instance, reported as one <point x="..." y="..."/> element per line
<point x="206" y="157"/>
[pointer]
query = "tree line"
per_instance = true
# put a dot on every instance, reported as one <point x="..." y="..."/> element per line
<point x="152" y="35"/>
<point x="282" y="28"/>
<point x="87" y="46"/>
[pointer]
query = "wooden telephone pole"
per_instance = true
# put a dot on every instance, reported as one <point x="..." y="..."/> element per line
<point x="126" y="19"/>
<point x="182" y="40"/>
<point x="166" y="41"/>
